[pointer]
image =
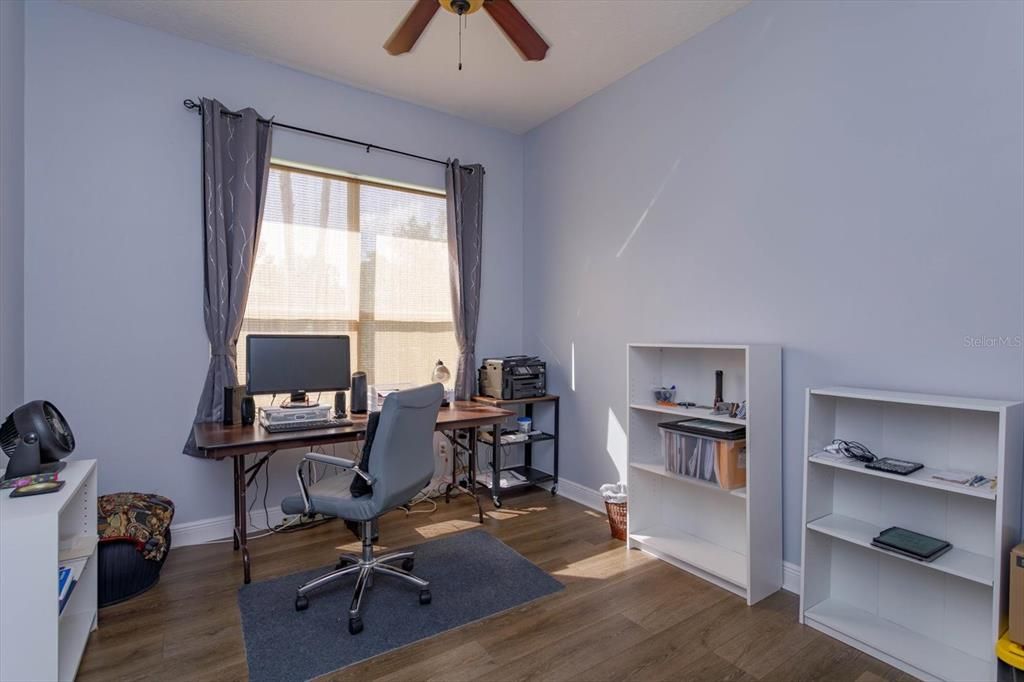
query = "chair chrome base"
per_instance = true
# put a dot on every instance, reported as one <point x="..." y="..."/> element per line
<point x="364" y="567"/>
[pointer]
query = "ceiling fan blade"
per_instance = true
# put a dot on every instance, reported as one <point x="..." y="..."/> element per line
<point x="412" y="27"/>
<point x="526" y="40"/>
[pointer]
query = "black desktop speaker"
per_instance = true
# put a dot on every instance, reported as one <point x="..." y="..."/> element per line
<point x="339" y="404"/>
<point x="247" y="410"/>
<point x="233" y="404"/>
<point x="359" y="390"/>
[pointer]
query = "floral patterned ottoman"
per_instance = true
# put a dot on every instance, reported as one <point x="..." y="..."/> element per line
<point x="135" y="537"/>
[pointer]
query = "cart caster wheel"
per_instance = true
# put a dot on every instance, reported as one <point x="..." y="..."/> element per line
<point x="301" y="603"/>
<point x="554" y="490"/>
<point x="355" y="626"/>
<point x="424" y="597"/>
<point x="497" y="502"/>
<point x="408" y="564"/>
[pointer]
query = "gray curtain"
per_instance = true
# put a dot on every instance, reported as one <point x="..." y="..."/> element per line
<point x="236" y="165"/>
<point x="465" y="188"/>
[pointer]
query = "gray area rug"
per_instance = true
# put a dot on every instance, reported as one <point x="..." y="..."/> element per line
<point x="472" y="575"/>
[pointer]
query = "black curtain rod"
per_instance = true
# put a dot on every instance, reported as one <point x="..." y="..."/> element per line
<point x="198" y="108"/>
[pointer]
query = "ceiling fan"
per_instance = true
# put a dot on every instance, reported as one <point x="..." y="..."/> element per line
<point x="513" y="24"/>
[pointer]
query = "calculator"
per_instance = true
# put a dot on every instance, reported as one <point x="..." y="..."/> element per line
<point x="894" y="466"/>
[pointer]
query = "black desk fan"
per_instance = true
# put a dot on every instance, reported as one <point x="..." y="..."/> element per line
<point x="35" y="437"/>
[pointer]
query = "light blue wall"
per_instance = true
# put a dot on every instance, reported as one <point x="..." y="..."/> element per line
<point x="12" y="204"/>
<point x="840" y="178"/>
<point x="114" y="228"/>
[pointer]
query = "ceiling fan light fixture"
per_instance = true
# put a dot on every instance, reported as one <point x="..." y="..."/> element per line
<point x="461" y="7"/>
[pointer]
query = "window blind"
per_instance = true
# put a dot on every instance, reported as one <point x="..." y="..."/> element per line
<point x="339" y="255"/>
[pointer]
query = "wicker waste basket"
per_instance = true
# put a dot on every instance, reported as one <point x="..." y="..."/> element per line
<point x="614" y="495"/>
<point x="617" y="518"/>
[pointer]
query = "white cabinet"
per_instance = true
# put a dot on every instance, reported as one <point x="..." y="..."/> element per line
<point x="937" y="620"/>
<point x="38" y="534"/>
<point x="732" y="538"/>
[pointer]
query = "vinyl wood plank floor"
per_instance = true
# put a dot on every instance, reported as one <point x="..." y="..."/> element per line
<point x="622" y="616"/>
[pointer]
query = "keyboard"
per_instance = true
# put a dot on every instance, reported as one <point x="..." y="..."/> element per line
<point x="307" y="426"/>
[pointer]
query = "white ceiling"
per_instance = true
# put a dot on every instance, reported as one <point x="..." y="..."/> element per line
<point x="593" y="43"/>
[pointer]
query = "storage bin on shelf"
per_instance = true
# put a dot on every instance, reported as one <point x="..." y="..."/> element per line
<point x="706" y="450"/>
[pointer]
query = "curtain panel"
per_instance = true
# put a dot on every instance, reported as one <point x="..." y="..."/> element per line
<point x="464" y="186"/>
<point x="236" y="165"/>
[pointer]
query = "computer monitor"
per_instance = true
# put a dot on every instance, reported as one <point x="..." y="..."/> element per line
<point x="296" y="364"/>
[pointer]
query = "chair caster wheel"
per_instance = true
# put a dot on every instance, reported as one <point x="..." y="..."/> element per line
<point x="355" y="626"/>
<point x="497" y="502"/>
<point x="408" y="564"/>
<point x="301" y="603"/>
<point x="554" y="489"/>
<point x="424" y="597"/>
<point x="342" y="563"/>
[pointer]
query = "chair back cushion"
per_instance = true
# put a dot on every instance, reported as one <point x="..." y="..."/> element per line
<point x="402" y="461"/>
<point x="359" y="487"/>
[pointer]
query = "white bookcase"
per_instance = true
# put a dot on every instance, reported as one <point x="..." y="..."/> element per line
<point x="37" y="534"/>
<point x="936" y="620"/>
<point x="732" y="538"/>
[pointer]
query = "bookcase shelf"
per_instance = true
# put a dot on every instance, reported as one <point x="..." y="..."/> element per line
<point x="936" y="620"/>
<point x="958" y="562"/>
<point x="42" y="641"/>
<point x="732" y="538"/>
<point x="659" y="470"/>
<point x="878" y="636"/>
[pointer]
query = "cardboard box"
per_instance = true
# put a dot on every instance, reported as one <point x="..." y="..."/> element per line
<point x="1016" y="631"/>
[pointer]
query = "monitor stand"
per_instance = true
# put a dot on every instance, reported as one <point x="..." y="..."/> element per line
<point x="298" y="399"/>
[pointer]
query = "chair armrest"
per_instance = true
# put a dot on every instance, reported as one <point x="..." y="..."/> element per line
<point x="339" y="462"/>
<point x="330" y="459"/>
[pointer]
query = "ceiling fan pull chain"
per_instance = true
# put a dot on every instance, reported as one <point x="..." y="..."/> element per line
<point x="460" y="44"/>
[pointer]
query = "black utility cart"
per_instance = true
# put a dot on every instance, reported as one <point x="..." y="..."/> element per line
<point x="532" y="476"/>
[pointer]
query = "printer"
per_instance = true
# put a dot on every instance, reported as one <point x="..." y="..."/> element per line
<point x="513" y="377"/>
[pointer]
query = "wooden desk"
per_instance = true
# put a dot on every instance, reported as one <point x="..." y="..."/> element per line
<point x="216" y="441"/>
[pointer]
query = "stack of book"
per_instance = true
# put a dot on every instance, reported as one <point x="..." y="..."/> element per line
<point x="65" y="584"/>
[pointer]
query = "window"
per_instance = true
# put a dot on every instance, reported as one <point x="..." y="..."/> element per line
<point x="339" y="255"/>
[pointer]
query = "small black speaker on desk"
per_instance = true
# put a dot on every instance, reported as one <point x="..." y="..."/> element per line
<point x="339" y="405"/>
<point x="359" y="393"/>
<point x="233" y="404"/>
<point x="248" y="410"/>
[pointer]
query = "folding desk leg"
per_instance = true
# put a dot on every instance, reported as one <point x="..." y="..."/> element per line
<point x="455" y="461"/>
<point x="472" y="472"/>
<point x="234" y="496"/>
<point x="496" y="465"/>
<point x="242" y="527"/>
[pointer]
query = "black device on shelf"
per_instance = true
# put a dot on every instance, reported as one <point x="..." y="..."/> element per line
<point x="910" y="544"/>
<point x="35" y="437"/>
<point x="513" y="378"/>
<point x="296" y="364"/>
<point x="708" y="428"/>
<point x="889" y="465"/>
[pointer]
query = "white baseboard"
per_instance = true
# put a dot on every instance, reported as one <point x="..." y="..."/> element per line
<point x="790" y="577"/>
<point x="588" y="497"/>
<point x="221" y="527"/>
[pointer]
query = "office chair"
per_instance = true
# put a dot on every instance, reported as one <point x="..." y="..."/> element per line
<point x="401" y="464"/>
